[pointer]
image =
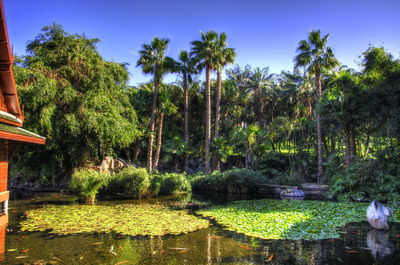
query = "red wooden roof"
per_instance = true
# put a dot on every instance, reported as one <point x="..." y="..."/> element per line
<point x="8" y="93"/>
<point x="11" y="115"/>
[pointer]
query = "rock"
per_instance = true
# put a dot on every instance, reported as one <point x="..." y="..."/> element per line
<point x="378" y="215"/>
<point x="110" y="164"/>
<point x="292" y="193"/>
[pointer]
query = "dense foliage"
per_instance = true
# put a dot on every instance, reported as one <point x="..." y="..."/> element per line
<point x="76" y="99"/>
<point x="87" y="183"/>
<point x="230" y="181"/>
<point x="322" y="122"/>
<point x="130" y="182"/>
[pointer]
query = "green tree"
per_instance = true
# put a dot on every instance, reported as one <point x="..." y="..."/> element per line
<point x="206" y="52"/>
<point x="76" y="99"/>
<point x="314" y="54"/>
<point x="225" y="57"/>
<point x="166" y="108"/>
<point x="186" y="66"/>
<point x="153" y="61"/>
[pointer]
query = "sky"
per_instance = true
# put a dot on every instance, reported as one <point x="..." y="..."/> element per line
<point x="264" y="33"/>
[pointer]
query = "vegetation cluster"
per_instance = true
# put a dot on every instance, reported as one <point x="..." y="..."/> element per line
<point x="130" y="182"/>
<point x="322" y="122"/>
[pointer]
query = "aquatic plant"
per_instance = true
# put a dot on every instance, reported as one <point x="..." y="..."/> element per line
<point x="87" y="183"/>
<point x="135" y="182"/>
<point x="126" y="219"/>
<point x="288" y="219"/>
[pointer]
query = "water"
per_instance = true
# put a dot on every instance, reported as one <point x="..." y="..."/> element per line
<point x="359" y="244"/>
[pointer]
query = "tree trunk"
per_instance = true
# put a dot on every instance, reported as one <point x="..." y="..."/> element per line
<point x="347" y="144"/>
<point x="136" y="154"/>
<point x="319" y="129"/>
<point x="208" y="122"/>
<point x="152" y="127"/>
<point x="186" y="121"/>
<point x="353" y="150"/>
<point x="217" y="162"/>
<point x="159" y="140"/>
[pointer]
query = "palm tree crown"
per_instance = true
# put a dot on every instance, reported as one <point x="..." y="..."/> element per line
<point x="313" y="53"/>
<point x="153" y="59"/>
<point x="205" y="50"/>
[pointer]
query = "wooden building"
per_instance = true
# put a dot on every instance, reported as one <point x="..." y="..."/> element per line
<point x="11" y="121"/>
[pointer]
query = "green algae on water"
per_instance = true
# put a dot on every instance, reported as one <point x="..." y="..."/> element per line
<point x="288" y="219"/>
<point x="126" y="219"/>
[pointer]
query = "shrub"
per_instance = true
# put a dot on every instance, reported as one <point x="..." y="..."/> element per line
<point x="286" y="169"/>
<point x="134" y="182"/>
<point x="230" y="181"/>
<point x="365" y="179"/>
<point x="174" y="183"/>
<point x="87" y="183"/>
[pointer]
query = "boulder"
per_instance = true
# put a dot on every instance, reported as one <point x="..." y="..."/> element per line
<point x="378" y="215"/>
<point x="292" y="193"/>
<point x="110" y="164"/>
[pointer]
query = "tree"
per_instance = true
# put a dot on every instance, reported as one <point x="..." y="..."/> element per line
<point x="153" y="61"/>
<point x="206" y="51"/>
<point x="186" y="66"/>
<point x="225" y="56"/>
<point x="166" y="107"/>
<point x="76" y="99"/>
<point x="317" y="58"/>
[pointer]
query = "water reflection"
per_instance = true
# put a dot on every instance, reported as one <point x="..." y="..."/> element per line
<point x="379" y="244"/>
<point x="207" y="246"/>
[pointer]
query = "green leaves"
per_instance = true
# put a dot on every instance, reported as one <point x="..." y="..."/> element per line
<point x="74" y="98"/>
<point x="126" y="219"/>
<point x="287" y="219"/>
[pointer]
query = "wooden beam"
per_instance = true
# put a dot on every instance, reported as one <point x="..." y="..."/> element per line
<point x="21" y="138"/>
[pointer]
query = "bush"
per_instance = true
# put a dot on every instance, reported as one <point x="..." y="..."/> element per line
<point x="365" y="179"/>
<point x="230" y="181"/>
<point x="170" y="183"/>
<point x="286" y="169"/>
<point x="135" y="182"/>
<point x="87" y="183"/>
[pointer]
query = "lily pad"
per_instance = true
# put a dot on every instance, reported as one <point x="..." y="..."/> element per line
<point x="288" y="219"/>
<point x="127" y="219"/>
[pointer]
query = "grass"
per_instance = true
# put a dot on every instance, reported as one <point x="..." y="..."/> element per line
<point x="127" y="219"/>
<point x="288" y="219"/>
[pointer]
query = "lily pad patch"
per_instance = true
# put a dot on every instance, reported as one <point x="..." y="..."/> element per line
<point x="126" y="219"/>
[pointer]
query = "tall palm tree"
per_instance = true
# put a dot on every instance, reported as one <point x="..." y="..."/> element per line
<point x="186" y="66"/>
<point x="225" y="57"/>
<point x="317" y="57"/>
<point x="153" y="61"/>
<point x="166" y="108"/>
<point x="205" y="51"/>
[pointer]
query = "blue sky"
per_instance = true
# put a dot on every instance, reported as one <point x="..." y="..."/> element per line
<point x="263" y="32"/>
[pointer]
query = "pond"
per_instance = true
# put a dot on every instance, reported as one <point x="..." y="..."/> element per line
<point x="358" y="244"/>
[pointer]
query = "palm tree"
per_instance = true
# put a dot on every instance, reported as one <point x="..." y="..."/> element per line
<point x="225" y="57"/>
<point x="186" y="67"/>
<point x="317" y="58"/>
<point x="153" y="61"/>
<point x="166" y="108"/>
<point x="205" y="51"/>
